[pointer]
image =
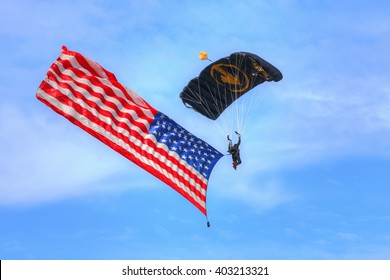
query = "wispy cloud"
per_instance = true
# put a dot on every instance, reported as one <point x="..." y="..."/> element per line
<point x="42" y="159"/>
<point x="321" y="115"/>
<point x="246" y="186"/>
<point x="311" y="122"/>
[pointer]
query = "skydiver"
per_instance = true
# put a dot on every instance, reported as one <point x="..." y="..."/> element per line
<point x="234" y="150"/>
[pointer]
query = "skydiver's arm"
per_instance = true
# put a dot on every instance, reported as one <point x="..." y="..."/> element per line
<point x="230" y="143"/>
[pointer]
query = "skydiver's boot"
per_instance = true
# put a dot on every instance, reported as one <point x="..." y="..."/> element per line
<point x="234" y="165"/>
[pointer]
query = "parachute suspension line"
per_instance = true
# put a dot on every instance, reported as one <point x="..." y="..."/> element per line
<point x="250" y="102"/>
<point x="255" y="99"/>
<point x="230" y="115"/>
<point x="238" y="77"/>
<point x="218" y="106"/>
<point x="247" y="104"/>
<point x="239" y="109"/>
<point x="238" y="106"/>
<point x="198" y="99"/>
<point x="220" y="98"/>
<point x="230" y="118"/>
<point x="219" y="126"/>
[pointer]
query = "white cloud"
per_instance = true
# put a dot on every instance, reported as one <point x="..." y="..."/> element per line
<point x="307" y="123"/>
<point x="348" y="236"/>
<point x="44" y="159"/>
<point x="318" y="110"/>
<point x="262" y="195"/>
<point x="246" y="185"/>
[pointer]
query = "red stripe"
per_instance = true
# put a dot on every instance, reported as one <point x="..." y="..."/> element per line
<point x="132" y="157"/>
<point x="82" y="111"/>
<point x="66" y="101"/>
<point x="108" y="91"/>
<point x="94" y="81"/>
<point x="86" y="65"/>
<point x="79" y="95"/>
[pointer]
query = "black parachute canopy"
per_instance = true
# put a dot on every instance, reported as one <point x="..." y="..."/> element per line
<point x="225" y="80"/>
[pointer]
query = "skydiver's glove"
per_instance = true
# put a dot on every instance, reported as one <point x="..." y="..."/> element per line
<point x="237" y="133"/>
<point x="228" y="138"/>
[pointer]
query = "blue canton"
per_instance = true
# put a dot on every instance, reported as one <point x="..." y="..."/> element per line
<point x="191" y="149"/>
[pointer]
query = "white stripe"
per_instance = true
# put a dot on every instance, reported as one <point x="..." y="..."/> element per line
<point x="73" y="61"/>
<point x="98" y="129"/>
<point x="100" y="90"/>
<point x="126" y="133"/>
<point x="121" y="130"/>
<point x="99" y="102"/>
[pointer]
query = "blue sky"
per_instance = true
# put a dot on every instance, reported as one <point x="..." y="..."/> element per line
<point x="315" y="180"/>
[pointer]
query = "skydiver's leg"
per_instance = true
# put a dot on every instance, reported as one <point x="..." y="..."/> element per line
<point x="238" y="160"/>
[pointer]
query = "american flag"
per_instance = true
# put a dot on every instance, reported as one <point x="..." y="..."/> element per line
<point x="91" y="97"/>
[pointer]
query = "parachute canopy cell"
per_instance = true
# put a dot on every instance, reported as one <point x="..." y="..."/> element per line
<point x="225" y="80"/>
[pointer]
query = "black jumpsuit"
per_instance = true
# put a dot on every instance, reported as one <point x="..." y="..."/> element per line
<point x="234" y="150"/>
